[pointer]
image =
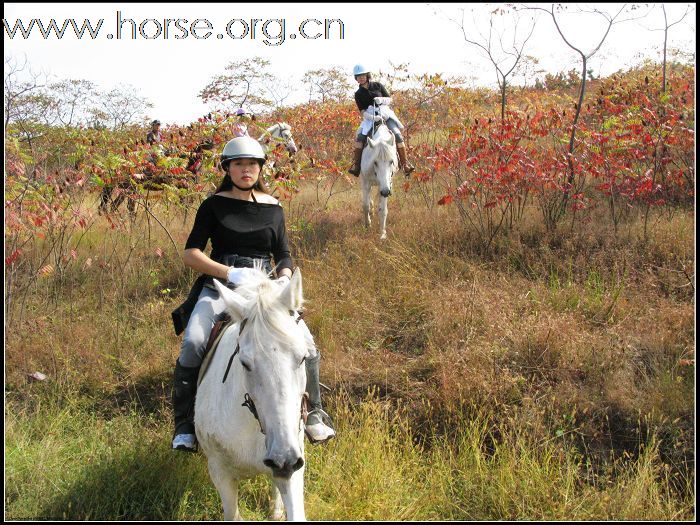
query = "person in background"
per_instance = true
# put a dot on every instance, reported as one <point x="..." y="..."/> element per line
<point x="240" y="128"/>
<point x="373" y="100"/>
<point x="154" y="136"/>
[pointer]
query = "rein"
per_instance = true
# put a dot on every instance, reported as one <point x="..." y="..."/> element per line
<point x="247" y="400"/>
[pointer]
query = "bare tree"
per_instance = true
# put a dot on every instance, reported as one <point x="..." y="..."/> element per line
<point x="73" y="100"/>
<point x="327" y="83"/>
<point x="553" y="11"/>
<point x="118" y="107"/>
<point x="19" y="93"/>
<point x="279" y="90"/>
<point x="506" y="57"/>
<point x="249" y="83"/>
<point x="667" y="26"/>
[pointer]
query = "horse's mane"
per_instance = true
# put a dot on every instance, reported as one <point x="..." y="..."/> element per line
<point x="267" y="317"/>
<point x="385" y="149"/>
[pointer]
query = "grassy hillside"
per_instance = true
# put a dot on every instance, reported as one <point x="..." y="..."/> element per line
<point x="551" y="377"/>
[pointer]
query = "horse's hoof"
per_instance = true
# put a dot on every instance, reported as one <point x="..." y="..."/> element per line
<point x="382" y="237"/>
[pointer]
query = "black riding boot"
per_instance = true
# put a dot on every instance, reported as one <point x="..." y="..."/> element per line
<point x="319" y="427"/>
<point x="184" y="391"/>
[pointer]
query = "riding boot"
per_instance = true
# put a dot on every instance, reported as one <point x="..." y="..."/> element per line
<point x="319" y="427"/>
<point x="184" y="391"/>
<point x="357" y="160"/>
<point x="405" y="164"/>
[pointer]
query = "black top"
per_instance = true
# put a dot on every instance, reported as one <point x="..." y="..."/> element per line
<point x="241" y="227"/>
<point x="364" y="97"/>
<point x="152" y="137"/>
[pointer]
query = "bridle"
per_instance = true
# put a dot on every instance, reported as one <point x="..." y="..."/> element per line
<point x="269" y="136"/>
<point x="247" y="400"/>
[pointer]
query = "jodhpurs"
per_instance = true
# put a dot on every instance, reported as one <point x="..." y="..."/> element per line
<point x="393" y="127"/>
<point x="207" y="311"/>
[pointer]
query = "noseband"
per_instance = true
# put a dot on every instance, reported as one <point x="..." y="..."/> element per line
<point x="247" y="400"/>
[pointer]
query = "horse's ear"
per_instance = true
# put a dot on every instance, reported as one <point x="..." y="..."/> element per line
<point x="292" y="297"/>
<point x="371" y="142"/>
<point x="235" y="304"/>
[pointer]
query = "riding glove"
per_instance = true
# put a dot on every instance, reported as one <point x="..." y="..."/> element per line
<point x="369" y="116"/>
<point x="282" y="281"/>
<point x="239" y="275"/>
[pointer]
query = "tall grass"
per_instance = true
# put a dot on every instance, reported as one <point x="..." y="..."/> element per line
<point x="549" y="379"/>
<point x="68" y="462"/>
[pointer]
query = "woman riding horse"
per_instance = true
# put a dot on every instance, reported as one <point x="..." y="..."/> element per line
<point x="244" y="224"/>
<point x="373" y="100"/>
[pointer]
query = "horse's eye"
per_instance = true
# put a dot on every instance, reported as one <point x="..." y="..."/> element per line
<point x="246" y="366"/>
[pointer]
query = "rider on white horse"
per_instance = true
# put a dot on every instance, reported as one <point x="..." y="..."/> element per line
<point x="373" y="101"/>
<point x="240" y="128"/>
<point x="244" y="224"/>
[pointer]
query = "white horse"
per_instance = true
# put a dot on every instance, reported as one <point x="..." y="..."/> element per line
<point x="251" y="422"/>
<point x="280" y="133"/>
<point x="379" y="163"/>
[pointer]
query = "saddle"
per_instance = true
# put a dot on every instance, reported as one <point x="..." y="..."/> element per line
<point x="217" y="332"/>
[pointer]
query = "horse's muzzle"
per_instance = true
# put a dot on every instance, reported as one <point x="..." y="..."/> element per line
<point x="385" y="193"/>
<point x="284" y="467"/>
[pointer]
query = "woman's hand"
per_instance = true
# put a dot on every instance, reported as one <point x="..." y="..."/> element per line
<point x="239" y="275"/>
<point x="282" y="281"/>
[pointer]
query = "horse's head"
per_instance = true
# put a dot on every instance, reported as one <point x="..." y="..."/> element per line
<point x="382" y="159"/>
<point x="282" y="132"/>
<point x="272" y="354"/>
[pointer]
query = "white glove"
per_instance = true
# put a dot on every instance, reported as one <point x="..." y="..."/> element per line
<point x="371" y="116"/>
<point x="239" y="275"/>
<point x="382" y="100"/>
<point x="282" y="281"/>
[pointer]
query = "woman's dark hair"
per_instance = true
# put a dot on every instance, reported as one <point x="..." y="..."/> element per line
<point x="227" y="183"/>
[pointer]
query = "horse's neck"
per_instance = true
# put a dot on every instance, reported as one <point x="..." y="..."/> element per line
<point x="378" y="130"/>
<point x="234" y="386"/>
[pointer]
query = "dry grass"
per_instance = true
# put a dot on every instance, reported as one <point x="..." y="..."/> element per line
<point x="580" y="336"/>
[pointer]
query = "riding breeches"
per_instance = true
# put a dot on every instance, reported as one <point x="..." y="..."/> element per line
<point x="209" y="309"/>
<point x="393" y="127"/>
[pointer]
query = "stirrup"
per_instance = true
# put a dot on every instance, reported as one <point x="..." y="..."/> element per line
<point x="325" y="421"/>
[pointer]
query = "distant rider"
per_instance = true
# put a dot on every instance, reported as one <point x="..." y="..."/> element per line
<point x="366" y="96"/>
<point x="154" y="136"/>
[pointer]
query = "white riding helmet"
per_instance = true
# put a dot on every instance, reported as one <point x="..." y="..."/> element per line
<point x="242" y="148"/>
<point x="359" y="69"/>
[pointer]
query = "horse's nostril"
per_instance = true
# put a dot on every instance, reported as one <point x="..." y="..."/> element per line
<point x="270" y="463"/>
<point x="298" y="464"/>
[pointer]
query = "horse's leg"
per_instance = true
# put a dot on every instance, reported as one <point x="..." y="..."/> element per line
<point x="227" y="485"/>
<point x="366" y="205"/>
<point x="383" y="211"/>
<point x="116" y="202"/>
<point x="276" y="503"/>
<point x="104" y="199"/>
<point x="292" y="491"/>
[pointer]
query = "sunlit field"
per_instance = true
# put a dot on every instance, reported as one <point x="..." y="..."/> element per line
<point x="501" y="356"/>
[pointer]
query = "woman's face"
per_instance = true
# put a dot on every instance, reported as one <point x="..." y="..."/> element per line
<point x="244" y="172"/>
<point x="361" y="79"/>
